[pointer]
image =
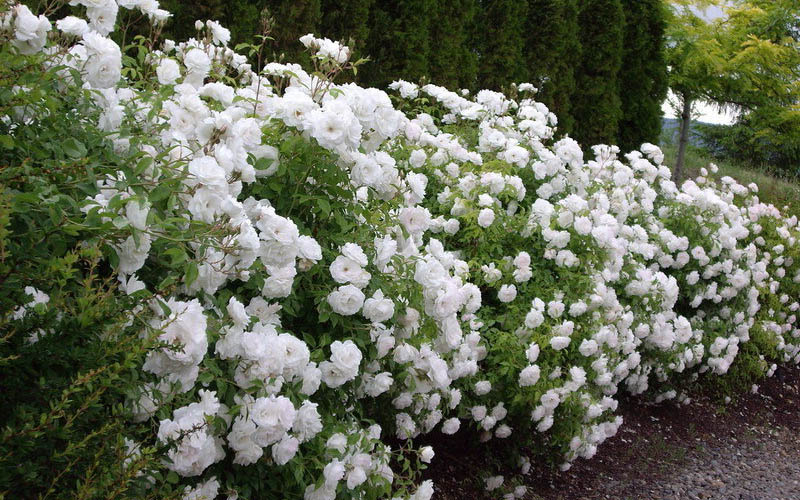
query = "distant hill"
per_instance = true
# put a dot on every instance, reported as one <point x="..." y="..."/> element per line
<point x="670" y="128"/>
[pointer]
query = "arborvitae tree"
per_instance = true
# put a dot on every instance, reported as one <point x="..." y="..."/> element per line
<point x="181" y="24"/>
<point x="348" y="22"/>
<point x="501" y="45"/>
<point x="596" y="103"/>
<point x="552" y="52"/>
<point x="643" y="76"/>
<point x="293" y="19"/>
<point x="453" y="60"/>
<point x="399" y="41"/>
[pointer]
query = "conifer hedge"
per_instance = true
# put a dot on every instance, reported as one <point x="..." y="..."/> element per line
<point x="600" y="60"/>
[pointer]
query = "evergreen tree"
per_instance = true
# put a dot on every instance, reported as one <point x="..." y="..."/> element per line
<point x="596" y="103"/>
<point x="348" y="22"/>
<point x="453" y="60"/>
<point x="181" y="24"/>
<point x="501" y="44"/>
<point x="643" y="77"/>
<point x="293" y="19"/>
<point x="552" y="52"/>
<point x="398" y="42"/>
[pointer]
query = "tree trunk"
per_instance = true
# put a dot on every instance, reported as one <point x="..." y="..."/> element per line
<point x="686" y="117"/>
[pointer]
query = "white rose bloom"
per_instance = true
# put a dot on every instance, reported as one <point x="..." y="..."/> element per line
<point x="494" y="482"/>
<point x="103" y="17"/>
<point x="308" y="248"/>
<point x="451" y="226"/>
<point x="354" y="252"/>
<point x="507" y="293"/>
<point x="333" y="472"/>
<point x="279" y="283"/>
<point x="346" y="300"/>
<point x="558" y="343"/>
<point x="426" y="454"/>
<point x="285" y="449"/>
<point x="312" y="376"/>
<point x="482" y="387"/>
<point x="168" y="71"/>
<point x="377" y="308"/>
<point x="237" y="312"/>
<point x="486" y="217"/>
<point x="343" y="365"/>
<point x="72" y="25"/>
<point x="274" y="416"/>
<point x="355" y="477"/>
<point x="103" y="67"/>
<point x="30" y="32"/>
<point x="197" y="64"/>
<point x="220" y="35"/>
<point x="451" y="426"/>
<point x="424" y="492"/>
<point x="346" y="270"/>
<point x="529" y="376"/>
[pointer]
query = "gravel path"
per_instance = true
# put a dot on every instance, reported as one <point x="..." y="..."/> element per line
<point x="747" y="449"/>
<point x="762" y="464"/>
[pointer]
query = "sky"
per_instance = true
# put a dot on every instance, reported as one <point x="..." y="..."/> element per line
<point x="704" y="112"/>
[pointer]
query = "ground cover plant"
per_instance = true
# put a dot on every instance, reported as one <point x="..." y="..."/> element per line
<point x="254" y="282"/>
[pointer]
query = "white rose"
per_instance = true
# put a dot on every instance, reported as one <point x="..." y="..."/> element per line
<point x="559" y="343"/>
<point x="197" y="61"/>
<point x="346" y="300"/>
<point x="377" y="308"/>
<point x="334" y="471"/>
<point x="312" y="376"/>
<point x="168" y="71"/>
<point x="507" y="293"/>
<point x="274" y="414"/>
<point x="529" y="376"/>
<point x="285" y="450"/>
<point x="426" y="454"/>
<point x="451" y="426"/>
<point x="343" y="365"/>
<point x="483" y="387"/>
<point x="347" y="270"/>
<point x="486" y="217"/>
<point x="72" y="25"/>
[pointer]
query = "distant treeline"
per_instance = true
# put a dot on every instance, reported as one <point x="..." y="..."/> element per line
<point x="599" y="64"/>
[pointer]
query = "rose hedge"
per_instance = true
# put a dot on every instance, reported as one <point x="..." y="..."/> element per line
<point x="317" y="274"/>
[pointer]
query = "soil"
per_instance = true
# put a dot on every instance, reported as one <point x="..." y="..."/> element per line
<point x="708" y="449"/>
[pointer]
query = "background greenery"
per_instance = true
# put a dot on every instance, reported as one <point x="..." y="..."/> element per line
<point x="476" y="44"/>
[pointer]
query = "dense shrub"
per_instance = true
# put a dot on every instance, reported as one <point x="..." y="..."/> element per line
<point x="764" y="138"/>
<point x="269" y="284"/>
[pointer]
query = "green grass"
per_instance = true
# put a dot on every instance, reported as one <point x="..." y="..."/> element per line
<point x="783" y="193"/>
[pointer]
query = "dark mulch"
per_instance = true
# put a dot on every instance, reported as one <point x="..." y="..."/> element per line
<point x="653" y="440"/>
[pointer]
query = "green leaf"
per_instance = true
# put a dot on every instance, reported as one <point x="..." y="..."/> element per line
<point x="191" y="273"/>
<point x="161" y="192"/>
<point x="324" y="206"/>
<point x="74" y="148"/>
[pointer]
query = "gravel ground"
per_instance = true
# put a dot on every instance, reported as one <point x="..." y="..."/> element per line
<point x="764" y="465"/>
<point x="748" y="449"/>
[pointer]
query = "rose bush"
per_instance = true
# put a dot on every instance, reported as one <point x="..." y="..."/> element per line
<point x="321" y="273"/>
